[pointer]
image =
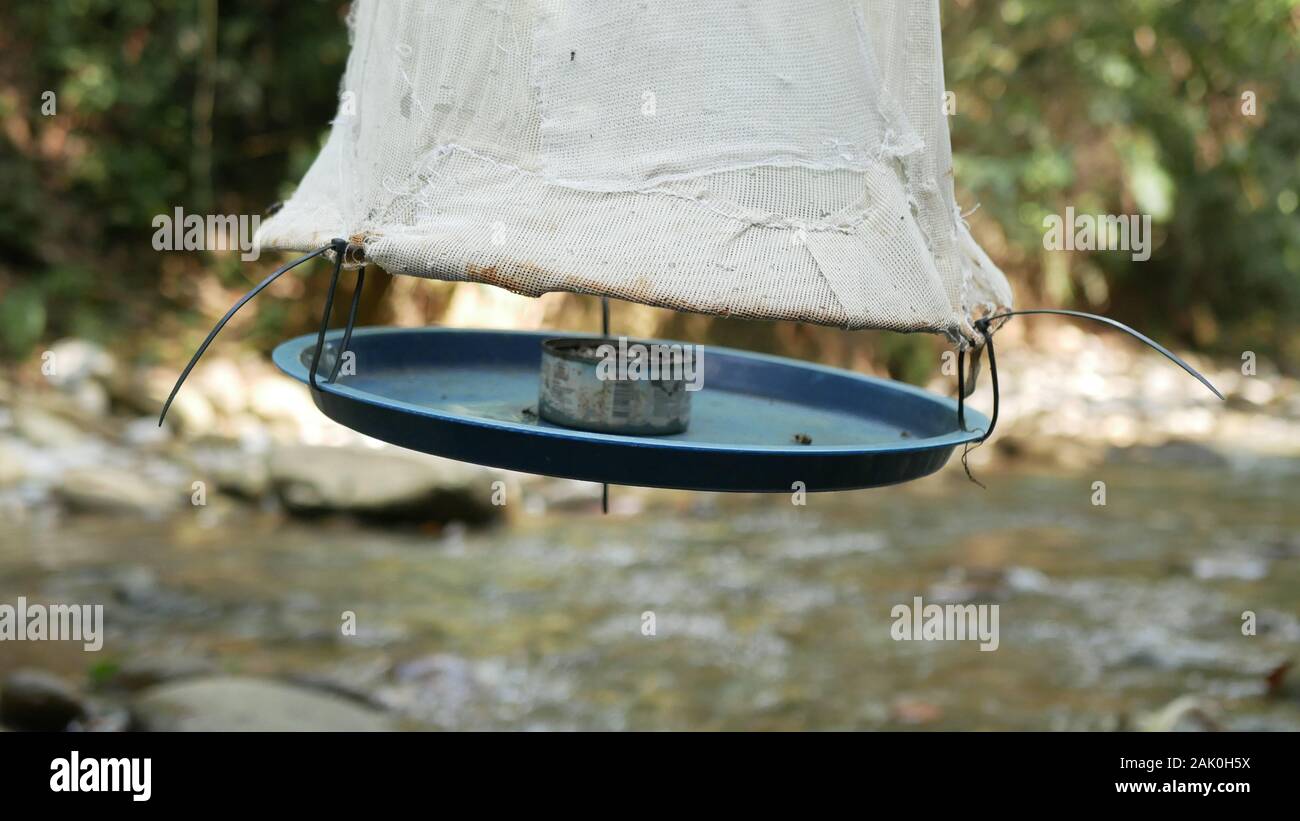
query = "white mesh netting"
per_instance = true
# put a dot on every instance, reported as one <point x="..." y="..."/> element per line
<point x="757" y="158"/>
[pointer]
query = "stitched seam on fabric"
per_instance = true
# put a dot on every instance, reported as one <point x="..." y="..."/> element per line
<point x="749" y="217"/>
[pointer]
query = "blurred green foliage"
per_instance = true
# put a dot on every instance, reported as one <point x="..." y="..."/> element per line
<point x="1130" y="107"/>
<point x="159" y="104"/>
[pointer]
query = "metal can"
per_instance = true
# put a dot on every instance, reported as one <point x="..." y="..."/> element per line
<point x="596" y="385"/>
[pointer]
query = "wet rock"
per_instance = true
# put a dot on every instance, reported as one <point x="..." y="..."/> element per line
<point x="325" y="683"/>
<point x="140" y="390"/>
<point x="439" y="689"/>
<point x="383" y="484"/>
<point x="1245" y="568"/>
<point x="1030" y="448"/>
<point x="38" y="701"/>
<point x="42" y="427"/>
<point x="1170" y="454"/>
<point x="142" y="673"/>
<point x="11" y="464"/>
<point x="1287" y="547"/>
<point x="145" y="391"/>
<point x="562" y="496"/>
<point x="274" y="397"/>
<point x="1027" y="580"/>
<point x="134" y="585"/>
<point x="150" y="599"/>
<point x="982" y="585"/>
<point x="89" y="398"/>
<point x="235" y="704"/>
<point x="77" y="360"/>
<point x="1183" y="714"/>
<point x="113" y="490"/>
<point x="222" y="383"/>
<point x="230" y="467"/>
<point x="103" y="718"/>
<point x="145" y="432"/>
<point x="145" y="595"/>
<point x="192" y="413"/>
<point x="907" y="710"/>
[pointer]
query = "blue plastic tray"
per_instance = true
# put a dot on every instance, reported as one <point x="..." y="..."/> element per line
<point x="471" y="395"/>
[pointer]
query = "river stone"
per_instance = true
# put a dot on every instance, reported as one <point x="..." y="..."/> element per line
<point x="1174" y="453"/>
<point x="223" y="384"/>
<point x="38" y="701"/>
<point x="42" y="427"/>
<point x="78" y="360"/>
<point x="149" y="671"/>
<point x="387" y="484"/>
<point x="146" y="390"/>
<point x="1183" y="714"/>
<point x="113" y="490"/>
<point x="237" y="471"/>
<point x="90" y="399"/>
<point x="239" y="704"/>
<point x="11" y="464"/>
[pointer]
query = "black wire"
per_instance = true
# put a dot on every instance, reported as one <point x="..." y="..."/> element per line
<point x="604" y="332"/>
<point x="961" y="390"/>
<point x="352" y="319"/>
<point x="325" y="321"/>
<point x="221" y="323"/>
<point x="982" y="325"/>
<point x="1114" y="324"/>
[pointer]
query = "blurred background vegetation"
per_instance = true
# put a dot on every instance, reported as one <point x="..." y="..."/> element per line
<point x="1132" y="107"/>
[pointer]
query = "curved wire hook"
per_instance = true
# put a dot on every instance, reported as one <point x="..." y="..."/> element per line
<point x="221" y="323"/>
<point x="325" y="322"/>
<point x="982" y="325"/>
<point x="352" y="320"/>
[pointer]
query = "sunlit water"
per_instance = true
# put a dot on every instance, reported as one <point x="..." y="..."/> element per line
<point x="767" y="615"/>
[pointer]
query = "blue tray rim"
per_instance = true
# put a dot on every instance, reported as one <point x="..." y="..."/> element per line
<point x="287" y="357"/>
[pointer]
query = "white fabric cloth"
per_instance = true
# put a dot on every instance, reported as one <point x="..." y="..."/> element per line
<point x="757" y="158"/>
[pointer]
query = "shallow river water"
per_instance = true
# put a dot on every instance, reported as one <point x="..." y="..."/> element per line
<point x="767" y="615"/>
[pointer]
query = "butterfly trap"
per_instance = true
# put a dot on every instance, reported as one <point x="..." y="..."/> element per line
<point x="518" y="146"/>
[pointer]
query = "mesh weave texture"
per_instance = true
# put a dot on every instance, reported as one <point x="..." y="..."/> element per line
<point x="767" y="159"/>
